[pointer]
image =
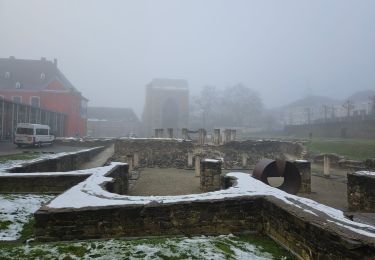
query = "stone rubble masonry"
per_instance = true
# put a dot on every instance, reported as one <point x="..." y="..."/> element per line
<point x="120" y="180"/>
<point x="361" y="192"/>
<point x="304" y="168"/>
<point x="64" y="163"/>
<point x="175" y="153"/>
<point x="308" y="236"/>
<point x="210" y="175"/>
<point x="31" y="183"/>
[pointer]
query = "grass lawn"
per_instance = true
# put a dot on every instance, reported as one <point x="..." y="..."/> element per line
<point x="356" y="149"/>
<point x="16" y="157"/>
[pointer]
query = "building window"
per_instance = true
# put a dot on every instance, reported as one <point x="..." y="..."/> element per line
<point x="83" y="108"/>
<point x="7" y="75"/>
<point x="18" y="85"/>
<point x="42" y="76"/>
<point x="35" y="101"/>
<point x="17" y="99"/>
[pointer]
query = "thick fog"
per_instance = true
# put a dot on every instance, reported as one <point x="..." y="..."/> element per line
<point x="283" y="49"/>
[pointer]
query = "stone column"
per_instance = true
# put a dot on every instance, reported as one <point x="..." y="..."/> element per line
<point x="161" y="132"/>
<point x="233" y="134"/>
<point x="197" y="165"/>
<point x="190" y="160"/>
<point x="184" y="133"/>
<point x="135" y="160"/>
<point x="227" y="136"/>
<point x="327" y="166"/>
<point x="304" y="168"/>
<point x="202" y="136"/>
<point x="217" y="136"/>
<point x="361" y="195"/>
<point x="170" y="132"/>
<point x="210" y="179"/>
<point x="244" y="160"/>
<point x="129" y="160"/>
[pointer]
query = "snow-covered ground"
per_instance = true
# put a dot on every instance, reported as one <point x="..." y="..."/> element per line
<point x="200" y="247"/>
<point x="16" y="210"/>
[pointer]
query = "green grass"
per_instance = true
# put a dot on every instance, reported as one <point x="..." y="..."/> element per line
<point x="355" y="149"/>
<point x="4" y="224"/>
<point x="19" y="156"/>
<point x="222" y="247"/>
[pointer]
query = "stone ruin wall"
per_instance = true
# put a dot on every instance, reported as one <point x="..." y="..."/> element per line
<point x="175" y="153"/>
<point x="361" y="192"/>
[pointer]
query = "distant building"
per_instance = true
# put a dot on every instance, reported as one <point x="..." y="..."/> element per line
<point x="112" y="122"/>
<point x="166" y="105"/>
<point x="40" y="83"/>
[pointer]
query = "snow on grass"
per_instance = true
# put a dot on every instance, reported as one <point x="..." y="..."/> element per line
<point x="15" y="211"/>
<point x="200" y="247"/>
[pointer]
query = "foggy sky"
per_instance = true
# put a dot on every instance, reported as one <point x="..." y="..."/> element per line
<point x="283" y="49"/>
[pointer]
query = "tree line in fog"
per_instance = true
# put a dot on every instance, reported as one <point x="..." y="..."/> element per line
<point x="234" y="106"/>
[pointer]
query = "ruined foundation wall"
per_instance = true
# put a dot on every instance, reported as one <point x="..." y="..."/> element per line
<point x="154" y="152"/>
<point x="188" y="218"/>
<point x="174" y="153"/>
<point x="64" y="163"/>
<point x="306" y="236"/>
<point x="39" y="183"/>
<point x="361" y="192"/>
<point x="301" y="232"/>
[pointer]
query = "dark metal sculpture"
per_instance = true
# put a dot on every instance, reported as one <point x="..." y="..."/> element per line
<point x="279" y="168"/>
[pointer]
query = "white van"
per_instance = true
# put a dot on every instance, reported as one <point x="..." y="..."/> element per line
<point x="33" y="134"/>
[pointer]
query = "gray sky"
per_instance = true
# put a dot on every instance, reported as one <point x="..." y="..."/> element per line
<point x="283" y="49"/>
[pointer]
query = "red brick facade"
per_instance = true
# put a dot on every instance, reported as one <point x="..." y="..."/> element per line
<point x="55" y="92"/>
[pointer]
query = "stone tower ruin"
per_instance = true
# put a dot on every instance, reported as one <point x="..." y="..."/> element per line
<point x="166" y="105"/>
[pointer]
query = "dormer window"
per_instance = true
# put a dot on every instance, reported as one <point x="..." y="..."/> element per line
<point x="7" y="75"/>
<point x="18" y="85"/>
<point x="42" y="76"/>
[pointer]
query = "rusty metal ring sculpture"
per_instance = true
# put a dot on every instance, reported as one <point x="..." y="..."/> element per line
<point x="279" y="168"/>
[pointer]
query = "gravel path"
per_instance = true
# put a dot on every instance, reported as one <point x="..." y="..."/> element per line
<point x="166" y="181"/>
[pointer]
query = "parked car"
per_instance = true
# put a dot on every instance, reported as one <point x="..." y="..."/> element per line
<point x="33" y="134"/>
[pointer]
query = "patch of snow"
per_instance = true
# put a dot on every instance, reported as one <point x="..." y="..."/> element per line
<point x="89" y="193"/>
<point x="199" y="247"/>
<point x="18" y="209"/>
<point x="211" y="160"/>
<point x="366" y="173"/>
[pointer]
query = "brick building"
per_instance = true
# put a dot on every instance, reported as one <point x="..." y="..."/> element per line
<point x="40" y="83"/>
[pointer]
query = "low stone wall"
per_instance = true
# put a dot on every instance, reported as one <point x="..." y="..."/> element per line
<point x="156" y="152"/>
<point x="46" y="183"/>
<point x="361" y="191"/>
<point x="308" y="238"/>
<point x="120" y="180"/>
<point x="164" y="152"/>
<point x="63" y="163"/>
<point x="79" y="142"/>
<point x="188" y="218"/>
<point x="303" y="233"/>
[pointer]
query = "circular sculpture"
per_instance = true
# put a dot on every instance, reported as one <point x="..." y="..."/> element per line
<point x="279" y="168"/>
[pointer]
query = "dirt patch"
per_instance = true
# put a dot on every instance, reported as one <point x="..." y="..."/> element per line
<point x="166" y="181"/>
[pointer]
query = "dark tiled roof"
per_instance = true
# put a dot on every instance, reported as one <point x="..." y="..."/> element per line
<point x="112" y="114"/>
<point x="28" y="74"/>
